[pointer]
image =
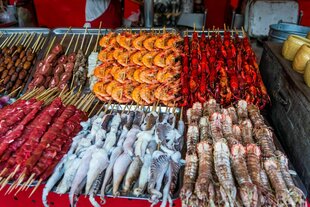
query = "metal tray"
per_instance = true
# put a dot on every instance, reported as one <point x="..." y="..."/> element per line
<point x="144" y="29"/>
<point x="63" y="30"/>
<point x="11" y="30"/>
<point x="190" y="32"/>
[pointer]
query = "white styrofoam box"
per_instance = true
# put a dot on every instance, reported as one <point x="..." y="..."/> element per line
<point x="260" y="14"/>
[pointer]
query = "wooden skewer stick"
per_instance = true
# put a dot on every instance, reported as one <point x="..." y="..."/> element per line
<point x="76" y="42"/>
<point x="25" y="38"/>
<point x="82" y="44"/>
<point x="29" y="43"/>
<point x="90" y="41"/>
<point x="99" y="111"/>
<point x="36" y="42"/>
<point x="90" y="113"/>
<point x="129" y="108"/>
<point x="34" y="190"/>
<point x="28" y="39"/>
<point x="93" y="99"/>
<point x="17" y="89"/>
<point x="50" y="46"/>
<point x="11" y="40"/>
<point x="69" y="44"/>
<point x="3" y="171"/>
<point x="15" y="184"/>
<point x="97" y="40"/>
<point x="41" y="46"/>
<point x="29" y="184"/>
<point x="64" y="37"/>
<point x="9" y="177"/>
<point x="107" y="107"/>
<point x="181" y="114"/>
<point x="19" y="39"/>
<point x="5" y="42"/>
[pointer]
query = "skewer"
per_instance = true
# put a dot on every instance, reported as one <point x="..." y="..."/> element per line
<point x="36" y="42"/>
<point x="224" y="27"/>
<point x="96" y="104"/>
<point x="35" y="188"/>
<point x="5" y="41"/>
<point x="29" y="184"/>
<point x="69" y="44"/>
<point x="50" y="46"/>
<point x="22" y="187"/>
<point x="243" y="32"/>
<point x="97" y="40"/>
<point x="9" y="177"/>
<point x="43" y="43"/>
<point x="91" y="39"/>
<point x="17" y="89"/>
<point x="81" y="48"/>
<point x="64" y="37"/>
<point x="129" y="108"/>
<point x="93" y="98"/>
<point x="181" y="114"/>
<point x="100" y="109"/>
<point x="19" y="38"/>
<point x="77" y="40"/>
<point x="13" y="37"/>
<point x="108" y="106"/>
<point x="14" y="185"/>
<point x="29" y="43"/>
<point x="25" y="39"/>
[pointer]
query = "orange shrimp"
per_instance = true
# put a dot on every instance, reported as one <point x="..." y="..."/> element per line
<point x="147" y="59"/>
<point x="118" y="95"/>
<point x="136" y="58"/>
<point x="136" y="95"/>
<point x="100" y="89"/>
<point x="115" y="69"/>
<point x="136" y="74"/>
<point x="104" y="41"/>
<point x="113" y="84"/>
<point x="138" y="42"/>
<point x="130" y="74"/>
<point x="117" y="52"/>
<point x="174" y="41"/>
<point x="103" y="71"/>
<point x="147" y="93"/>
<point x="172" y="58"/>
<point x="161" y="42"/>
<point x="124" y="40"/>
<point x="124" y="58"/>
<point x="106" y="54"/>
<point x="149" y="43"/>
<point x="121" y="76"/>
<point x="148" y="76"/>
<point x="128" y="89"/>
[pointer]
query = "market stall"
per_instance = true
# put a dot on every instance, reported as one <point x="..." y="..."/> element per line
<point x="137" y="117"/>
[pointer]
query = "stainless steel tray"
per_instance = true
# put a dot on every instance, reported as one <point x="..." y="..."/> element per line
<point x="63" y="30"/>
<point x="143" y="29"/>
<point x="190" y="32"/>
<point x="11" y="30"/>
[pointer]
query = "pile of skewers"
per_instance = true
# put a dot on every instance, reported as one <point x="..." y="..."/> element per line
<point x="143" y="68"/>
<point x="221" y="68"/>
<point x="17" y="56"/>
<point x="36" y="132"/>
<point x="132" y="154"/>
<point x="62" y="70"/>
<point x="232" y="160"/>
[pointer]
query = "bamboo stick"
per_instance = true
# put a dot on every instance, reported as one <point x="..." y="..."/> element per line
<point x="97" y="40"/>
<point x="29" y="43"/>
<point x="81" y="48"/>
<point x="50" y="46"/>
<point x="64" y="37"/>
<point x="69" y="44"/>
<point x="90" y="41"/>
<point x="76" y="43"/>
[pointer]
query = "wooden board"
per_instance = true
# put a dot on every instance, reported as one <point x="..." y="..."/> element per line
<point x="290" y="108"/>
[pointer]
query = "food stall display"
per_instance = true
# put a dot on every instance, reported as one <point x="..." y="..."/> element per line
<point x="18" y="55"/>
<point x="135" y="154"/>
<point x="37" y="132"/>
<point x="141" y="67"/>
<point x="221" y="68"/>
<point x="231" y="158"/>
<point x="137" y="151"/>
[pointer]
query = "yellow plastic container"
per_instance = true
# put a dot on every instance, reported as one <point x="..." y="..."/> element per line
<point x="292" y="45"/>
<point x="301" y="58"/>
<point x="307" y="74"/>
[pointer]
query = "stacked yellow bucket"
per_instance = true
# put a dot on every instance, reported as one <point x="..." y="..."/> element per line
<point x="297" y="49"/>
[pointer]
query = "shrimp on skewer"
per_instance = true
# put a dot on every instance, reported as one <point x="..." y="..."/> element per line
<point x="223" y="171"/>
<point x="278" y="183"/>
<point x="297" y="195"/>
<point x="247" y="189"/>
